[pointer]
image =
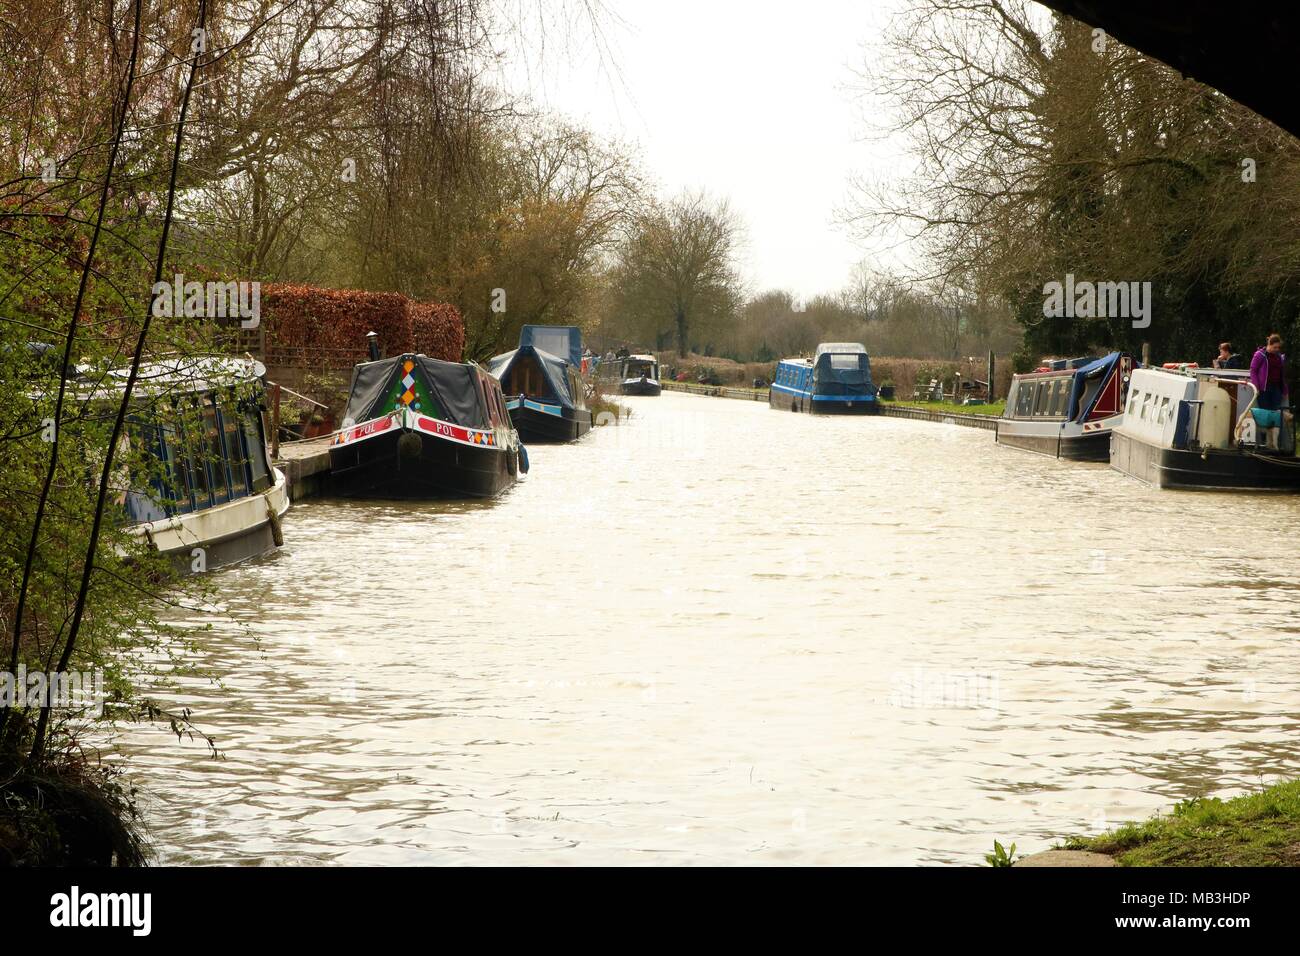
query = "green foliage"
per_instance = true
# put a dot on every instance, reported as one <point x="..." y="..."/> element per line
<point x="675" y="278"/>
<point x="1001" y="856"/>
<point x="1040" y="155"/>
<point x="1255" y="829"/>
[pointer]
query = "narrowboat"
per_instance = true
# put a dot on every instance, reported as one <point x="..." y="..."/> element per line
<point x="208" y="494"/>
<point x="419" y="427"/>
<point x="544" y="392"/>
<point x="640" y="375"/>
<point x="1200" y="428"/>
<point x="1067" y="408"/>
<point x="836" y="380"/>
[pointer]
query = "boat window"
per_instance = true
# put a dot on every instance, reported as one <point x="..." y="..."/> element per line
<point x="235" y="453"/>
<point x="178" y="471"/>
<point x="1023" y="392"/>
<point x="192" y="457"/>
<point x="214" y="454"/>
<point x="844" y="361"/>
<point x="1054" y="399"/>
<point x="1040" y="399"/>
<point x="255" y="444"/>
<point x="1164" y="411"/>
<point x="500" y="416"/>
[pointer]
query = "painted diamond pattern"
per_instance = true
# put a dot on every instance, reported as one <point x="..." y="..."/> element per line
<point x="408" y="380"/>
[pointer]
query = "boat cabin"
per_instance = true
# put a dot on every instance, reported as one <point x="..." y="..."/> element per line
<point x="203" y="430"/>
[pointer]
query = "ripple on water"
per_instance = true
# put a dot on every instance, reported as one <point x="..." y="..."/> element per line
<point x="723" y="634"/>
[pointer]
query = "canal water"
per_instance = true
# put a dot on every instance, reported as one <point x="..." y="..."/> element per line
<point x="722" y="634"/>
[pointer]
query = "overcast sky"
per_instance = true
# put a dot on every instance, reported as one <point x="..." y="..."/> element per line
<point x="752" y="101"/>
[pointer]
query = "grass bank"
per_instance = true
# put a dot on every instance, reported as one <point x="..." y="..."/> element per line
<point x="1257" y="829"/>
<point x="993" y="409"/>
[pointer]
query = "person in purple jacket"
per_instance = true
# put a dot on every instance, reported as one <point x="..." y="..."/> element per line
<point x="1268" y="374"/>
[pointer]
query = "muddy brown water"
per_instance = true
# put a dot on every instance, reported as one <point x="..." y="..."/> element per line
<point x="723" y="634"/>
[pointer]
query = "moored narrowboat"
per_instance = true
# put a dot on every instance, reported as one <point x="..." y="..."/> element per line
<point x="640" y="375"/>
<point x="836" y="380"/>
<point x="1067" y="408"/>
<point x="419" y="427"/>
<point x="208" y="494"/>
<point x="1201" y="428"/>
<point x="544" y="392"/>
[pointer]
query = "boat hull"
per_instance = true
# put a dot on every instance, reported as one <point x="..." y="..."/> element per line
<point x="543" y="427"/>
<point x="641" y="387"/>
<point x="224" y="534"/>
<point x="405" y="463"/>
<point x="796" y="401"/>
<point x="847" y="406"/>
<point x="1213" y="470"/>
<point x="1053" y="441"/>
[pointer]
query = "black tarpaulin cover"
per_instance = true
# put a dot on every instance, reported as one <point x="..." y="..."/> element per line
<point x="841" y="373"/>
<point x="552" y="367"/>
<point x="445" y="390"/>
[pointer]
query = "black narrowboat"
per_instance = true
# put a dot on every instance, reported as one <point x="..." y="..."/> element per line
<point x="419" y="427"/>
<point x="640" y="375"/>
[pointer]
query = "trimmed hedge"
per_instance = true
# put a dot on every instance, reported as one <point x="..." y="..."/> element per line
<point x="439" y="330"/>
<point x="331" y="324"/>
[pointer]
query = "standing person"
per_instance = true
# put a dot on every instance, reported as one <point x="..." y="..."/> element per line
<point x="1268" y="374"/>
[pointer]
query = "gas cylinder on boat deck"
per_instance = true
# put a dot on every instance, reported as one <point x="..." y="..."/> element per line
<point x="1215" y="428"/>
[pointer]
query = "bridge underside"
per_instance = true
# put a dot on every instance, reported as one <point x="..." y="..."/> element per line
<point x="1244" y="48"/>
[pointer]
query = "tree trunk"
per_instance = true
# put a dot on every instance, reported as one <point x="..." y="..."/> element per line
<point x="681" y="332"/>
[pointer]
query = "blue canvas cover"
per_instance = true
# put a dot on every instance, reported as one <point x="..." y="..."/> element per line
<point x="552" y="366"/>
<point x="842" y="373"/>
<point x="562" y="340"/>
<point x="1098" y="370"/>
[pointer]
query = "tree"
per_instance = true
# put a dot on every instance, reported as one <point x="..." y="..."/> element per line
<point x="1046" y="149"/>
<point x="675" y="272"/>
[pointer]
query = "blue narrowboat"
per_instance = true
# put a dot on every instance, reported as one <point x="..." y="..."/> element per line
<point x="835" y="381"/>
<point x="546" y="396"/>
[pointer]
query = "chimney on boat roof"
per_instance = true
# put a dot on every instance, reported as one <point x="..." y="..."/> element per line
<point x="372" y="341"/>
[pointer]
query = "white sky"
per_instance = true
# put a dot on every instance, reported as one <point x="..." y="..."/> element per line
<point x="751" y="101"/>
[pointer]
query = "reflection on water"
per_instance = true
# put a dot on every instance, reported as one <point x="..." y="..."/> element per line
<point x="724" y="634"/>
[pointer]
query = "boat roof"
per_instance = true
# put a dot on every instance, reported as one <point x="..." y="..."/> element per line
<point x="1186" y="371"/>
<point x="553" y="367"/>
<point x="562" y="340"/>
<point x="193" y="374"/>
<point x="169" y="375"/>
<point x="640" y="358"/>
<point x="840" y="348"/>
<point x="1074" y="366"/>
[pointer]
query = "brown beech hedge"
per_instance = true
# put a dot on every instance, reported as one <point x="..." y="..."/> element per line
<point x="330" y="325"/>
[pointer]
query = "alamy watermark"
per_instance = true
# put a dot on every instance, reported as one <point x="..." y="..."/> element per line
<point x="924" y="687"/>
<point x="1098" y="300"/>
<point x="81" y="691"/>
<point x="208" y="300"/>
